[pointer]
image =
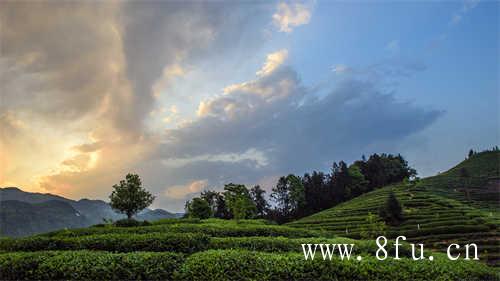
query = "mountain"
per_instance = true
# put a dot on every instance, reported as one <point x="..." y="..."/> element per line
<point x="439" y="210"/>
<point x="26" y="213"/>
<point x="19" y="218"/>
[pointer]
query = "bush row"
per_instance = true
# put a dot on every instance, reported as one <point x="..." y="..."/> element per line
<point x="155" y="242"/>
<point x="87" y="265"/>
<point x="283" y="244"/>
<point x="246" y="265"/>
<point x="227" y="265"/>
<point x="185" y="243"/>
<point x="212" y="229"/>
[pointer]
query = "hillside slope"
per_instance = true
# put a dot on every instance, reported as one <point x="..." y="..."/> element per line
<point x="20" y="218"/>
<point x="438" y="210"/>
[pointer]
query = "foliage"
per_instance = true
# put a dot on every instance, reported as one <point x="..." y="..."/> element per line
<point x="436" y="210"/>
<point x="239" y="201"/>
<point x="219" y="250"/>
<point x="289" y="196"/>
<point x="212" y="227"/>
<point x="88" y="265"/>
<point x="198" y="208"/>
<point x="391" y="212"/>
<point x="129" y="197"/>
<point x="296" y="197"/>
<point x="155" y="242"/>
<point x="249" y="265"/>
<point x="372" y="227"/>
<point x="261" y="205"/>
<point x="131" y="223"/>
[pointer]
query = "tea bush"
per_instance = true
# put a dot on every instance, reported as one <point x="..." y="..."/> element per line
<point x="247" y="265"/>
<point x="213" y="229"/>
<point x="88" y="265"/>
<point x="155" y="242"/>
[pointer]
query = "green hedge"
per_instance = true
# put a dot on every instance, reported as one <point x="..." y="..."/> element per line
<point x="283" y="244"/>
<point x="246" y="265"/>
<point x="212" y="229"/>
<point x="154" y="242"/>
<point x="87" y="265"/>
<point x="227" y="265"/>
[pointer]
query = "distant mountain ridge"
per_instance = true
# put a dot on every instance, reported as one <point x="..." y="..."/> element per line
<point x="26" y="213"/>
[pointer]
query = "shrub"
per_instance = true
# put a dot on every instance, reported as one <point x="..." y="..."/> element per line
<point x="218" y="230"/>
<point x="246" y="265"/>
<point x="127" y="223"/>
<point x="175" y="220"/>
<point x="88" y="265"/>
<point x="283" y="244"/>
<point x="155" y="242"/>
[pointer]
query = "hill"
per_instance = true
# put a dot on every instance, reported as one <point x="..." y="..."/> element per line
<point x="439" y="210"/>
<point x="19" y="218"/>
<point x="213" y="249"/>
<point x="26" y="213"/>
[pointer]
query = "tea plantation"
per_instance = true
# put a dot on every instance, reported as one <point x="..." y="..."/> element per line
<point x="190" y="249"/>
<point x="447" y="208"/>
<point x="440" y="210"/>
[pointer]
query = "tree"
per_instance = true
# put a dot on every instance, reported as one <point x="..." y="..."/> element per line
<point x="316" y="192"/>
<point x="471" y="153"/>
<point x="359" y="184"/>
<point x="392" y="212"/>
<point x="281" y="196"/>
<point x="339" y="183"/>
<point x="129" y="197"/>
<point x="297" y="194"/>
<point x="239" y="202"/>
<point x="257" y="194"/>
<point x="198" y="208"/>
<point x="289" y="196"/>
<point x="221" y="210"/>
<point x="211" y="198"/>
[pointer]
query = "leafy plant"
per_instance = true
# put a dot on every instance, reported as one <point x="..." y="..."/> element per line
<point x="129" y="197"/>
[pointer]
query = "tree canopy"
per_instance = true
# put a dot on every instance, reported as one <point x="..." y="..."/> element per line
<point x="129" y="197"/>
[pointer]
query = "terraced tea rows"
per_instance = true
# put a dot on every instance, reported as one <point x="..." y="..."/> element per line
<point x="248" y="252"/>
<point x="435" y="212"/>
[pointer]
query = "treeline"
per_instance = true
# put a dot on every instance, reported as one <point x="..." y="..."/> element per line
<point x="294" y="197"/>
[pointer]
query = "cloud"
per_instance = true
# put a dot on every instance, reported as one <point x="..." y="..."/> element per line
<point x="84" y="82"/>
<point x="294" y="133"/>
<point x="78" y="91"/>
<point x="289" y="16"/>
<point x="467" y="6"/>
<point x="393" y="46"/>
<point x="169" y="73"/>
<point x="340" y="69"/>
<point x="182" y="191"/>
<point x="274" y="60"/>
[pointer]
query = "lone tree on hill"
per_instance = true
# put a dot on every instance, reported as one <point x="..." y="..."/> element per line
<point x="391" y="212"/>
<point x="471" y="153"/>
<point x="129" y="197"/>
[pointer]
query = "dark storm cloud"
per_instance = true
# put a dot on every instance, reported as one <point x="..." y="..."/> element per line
<point x="294" y="136"/>
<point x="85" y="72"/>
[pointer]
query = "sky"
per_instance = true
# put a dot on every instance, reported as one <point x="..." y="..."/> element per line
<point x="194" y="95"/>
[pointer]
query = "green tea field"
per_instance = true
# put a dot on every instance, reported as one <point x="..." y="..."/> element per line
<point x="440" y="210"/>
<point x="212" y="249"/>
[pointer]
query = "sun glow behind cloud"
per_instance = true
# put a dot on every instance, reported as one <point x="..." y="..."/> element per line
<point x="196" y="95"/>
